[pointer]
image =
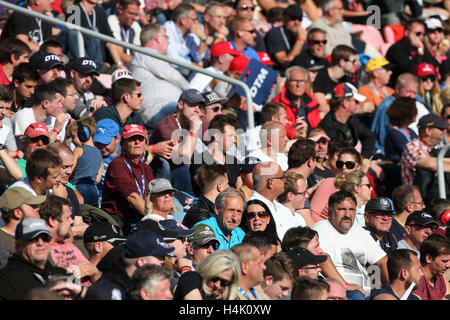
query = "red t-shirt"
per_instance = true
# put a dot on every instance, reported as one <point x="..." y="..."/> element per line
<point x="3" y="78"/>
<point x="120" y="182"/>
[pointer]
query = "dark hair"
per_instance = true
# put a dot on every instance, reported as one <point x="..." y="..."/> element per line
<point x="6" y="93"/>
<point x="270" y="110"/>
<point x="335" y="145"/>
<point x="40" y="161"/>
<point x="181" y="10"/>
<point x="314" y="30"/>
<point x="306" y="288"/>
<point x="338" y="197"/>
<point x="52" y="207"/>
<point x="271" y="227"/>
<point x="397" y="260"/>
<point x="62" y="84"/>
<point x="275" y="14"/>
<point x="45" y="91"/>
<point x="263" y="240"/>
<point x="401" y="195"/>
<point x="435" y="245"/>
<point x="125" y="3"/>
<point x="220" y="121"/>
<point x="298" y="237"/>
<point x="301" y="151"/>
<point x="351" y="151"/>
<point x="122" y="86"/>
<point x="409" y="23"/>
<point x="207" y="174"/>
<point x="437" y="207"/>
<point x="402" y="111"/>
<point x="341" y="51"/>
<point x="50" y="44"/>
<point x="279" y="266"/>
<point x="25" y="71"/>
<point x="10" y="47"/>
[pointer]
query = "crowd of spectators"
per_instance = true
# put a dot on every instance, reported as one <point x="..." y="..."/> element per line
<point x="127" y="177"/>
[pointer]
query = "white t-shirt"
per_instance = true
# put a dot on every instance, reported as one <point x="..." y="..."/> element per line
<point x="350" y="252"/>
<point x="201" y="81"/>
<point x="282" y="159"/>
<point x="25" y="183"/>
<point x="284" y="218"/>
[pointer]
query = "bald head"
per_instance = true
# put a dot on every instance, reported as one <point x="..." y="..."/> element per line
<point x="263" y="172"/>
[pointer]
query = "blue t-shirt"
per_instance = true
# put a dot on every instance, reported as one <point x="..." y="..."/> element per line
<point x="388" y="289"/>
<point x="87" y="165"/>
<point x="236" y="235"/>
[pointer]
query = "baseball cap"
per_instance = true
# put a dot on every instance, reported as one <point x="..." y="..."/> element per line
<point x="14" y="197"/>
<point x="192" y="96"/>
<point x="203" y="234"/>
<point x="248" y="164"/>
<point x="169" y="229"/>
<point x="425" y="69"/>
<point x="103" y="231"/>
<point x="346" y="90"/>
<point x="45" y="61"/>
<point x="420" y="218"/>
<point x="303" y="257"/>
<point x="84" y="66"/>
<point x="222" y="47"/>
<point x="293" y="10"/>
<point x="317" y="135"/>
<point x="432" y="120"/>
<point x="239" y="63"/>
<point x="379" y="204"/>
<point x="433" y="23"/>
<point x="376" y="63"/>
<point x="107" y="129"/>
<point x="133" y="130"/>
<point x="146" y="243"/>
<point x="119" y="74"/>
<point x="30" y="228"/>
<point x="211" y="98"/>
<point x="37" y="129"/>
<point x="264" y="58"/>
<point x="160" y="185"/>
<point x="311" y="65"/>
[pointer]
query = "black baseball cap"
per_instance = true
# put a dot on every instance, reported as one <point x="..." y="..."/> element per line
<point x="45" y="61"/>
<point x="85" y="66"/>
<point x="103" y="231"/>
<point x="420" y="218"/>
<point x="379" y="204"/>
<point x="293" y="10"/>
<point x="169" y="229"/>
<point x="303" y="257"/>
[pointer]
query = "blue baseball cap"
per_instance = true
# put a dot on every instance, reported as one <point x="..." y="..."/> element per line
<point x="107" y="129"/>
<point x="192" y="96"/>
<point x="146" y="243"/>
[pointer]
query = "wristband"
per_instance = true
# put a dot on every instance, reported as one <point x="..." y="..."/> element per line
<point x="119" y="62"/>
<point x="154" y="149"/>
<point x="17" y="153"/>
<point x="55" y="131"/>
<point x="185" y="268"/>
<point x="192" y="134"/>
<point x="346" y="284"/>
<point x="301" y="40"/>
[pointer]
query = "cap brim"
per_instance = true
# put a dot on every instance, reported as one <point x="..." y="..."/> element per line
<point x="317" y="137"/>
<point x="103" y="139"/>
<point x="206" y="240"/>
<point x="316" y="67"/>
<point x="133" y="134"/>
<point x="186" y="233"/>
<point x="39" y="134"/>
<point x="36" y="200"/>
<point x="32" y="235"/>
<point x="117" y="240"/>
<point x="319" y="259"/>
<point x="359" y="97"/>
<point x="221" y="101"/>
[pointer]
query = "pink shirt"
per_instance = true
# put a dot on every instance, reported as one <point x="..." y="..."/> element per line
<point x="319" y="200"/>
<point x="65" y="254"/>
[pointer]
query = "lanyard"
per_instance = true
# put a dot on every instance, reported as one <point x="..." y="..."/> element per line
<point x="245" y="293"/>
<point x="141" y="190"/>
<point x="286" y="42"/>
<point x="92" y="23"/>
<point x="376" y="91"/>
<point x="178" y="122"/>
<point x="404" y="133"/>
<point x="126" y="37"/>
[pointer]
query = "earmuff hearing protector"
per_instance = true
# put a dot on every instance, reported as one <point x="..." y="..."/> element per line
<point x="445" y="217"/>
<point x="82" y="134"/>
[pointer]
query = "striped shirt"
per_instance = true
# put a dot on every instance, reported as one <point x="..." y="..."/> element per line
<point x="413" y="152"/>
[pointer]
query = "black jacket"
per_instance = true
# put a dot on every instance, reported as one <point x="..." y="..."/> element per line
<point x="359" y="131"/>
<point x="20" y="276"/>
<point x="203" y="209"/>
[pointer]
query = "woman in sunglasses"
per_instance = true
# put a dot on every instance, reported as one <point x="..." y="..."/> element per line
<point x="428" y="83"/>
<point x="257" y="217"/>
<point x="348" y="160"/>
<point x="358" y="184"/>
<point x="159" y="203"/>
<point x="215" y="278"/>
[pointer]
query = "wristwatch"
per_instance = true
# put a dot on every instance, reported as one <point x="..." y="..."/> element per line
<point x="2" y="146"/>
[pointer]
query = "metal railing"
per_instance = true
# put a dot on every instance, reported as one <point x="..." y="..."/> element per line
<point x="142" y="50"/>
<point x="440" y="172"/>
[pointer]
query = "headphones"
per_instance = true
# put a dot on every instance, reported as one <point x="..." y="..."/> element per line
<point x="83" y="132"/>
<point x="445" y="217"/>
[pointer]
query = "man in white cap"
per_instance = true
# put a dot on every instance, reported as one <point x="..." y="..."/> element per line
<point x="341" y="122"/>
<point x="29" y="267"/>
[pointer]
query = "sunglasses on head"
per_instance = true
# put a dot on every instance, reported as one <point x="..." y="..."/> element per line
<point x="348" y="164"/>
<point x="246" y="8"/>
<point x="260" y="214"/>
<point x="223" y="282"/>
<point x="429" y="77"/>
<point x="319" y="41"/>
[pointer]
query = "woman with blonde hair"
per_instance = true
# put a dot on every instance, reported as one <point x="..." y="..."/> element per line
<point x="215" y="278"/>
<point x="428" y="83"/>
<point x="357" y="183"/>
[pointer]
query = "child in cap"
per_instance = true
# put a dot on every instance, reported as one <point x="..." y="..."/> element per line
<point x="87" y="161"/>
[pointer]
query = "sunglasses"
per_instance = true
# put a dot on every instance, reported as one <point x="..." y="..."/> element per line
<point x="261" y="214"/>
<point x="282" y="178"/>
<point x="419" y="33"/>
<point x="72" y="94"/>
<point x="348" y="164"/>
<point x="296" y="19"/>
<point x="319" y="41"/>
<point x="208" y="244"/>
<point x="367" y="185"/>
<point x="139" y="94"/>
<point x="246" y="8"/>
<point x="354" y="61"/>
<point x="223" y="282"/>
<point x="300" y="193"/>
<point x="251" y="31"/>
<point x="164" y="193"/>
<point x="44" y="238"/>
<point x="215" y="109"/>
<point x="44" y="140"/>
<point x="429" y="77"/>
<point x="447" y="116"/>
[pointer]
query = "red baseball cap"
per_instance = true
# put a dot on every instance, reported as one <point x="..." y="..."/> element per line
<point x="222" y="47"/>
<point x="265" y="58"/>
<point x="346" y="90"/>
<point x="424" y="69"/>
<point x="239" y="63"/>
<point x="133" y="130"/>
<point x="37" y="129"/>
